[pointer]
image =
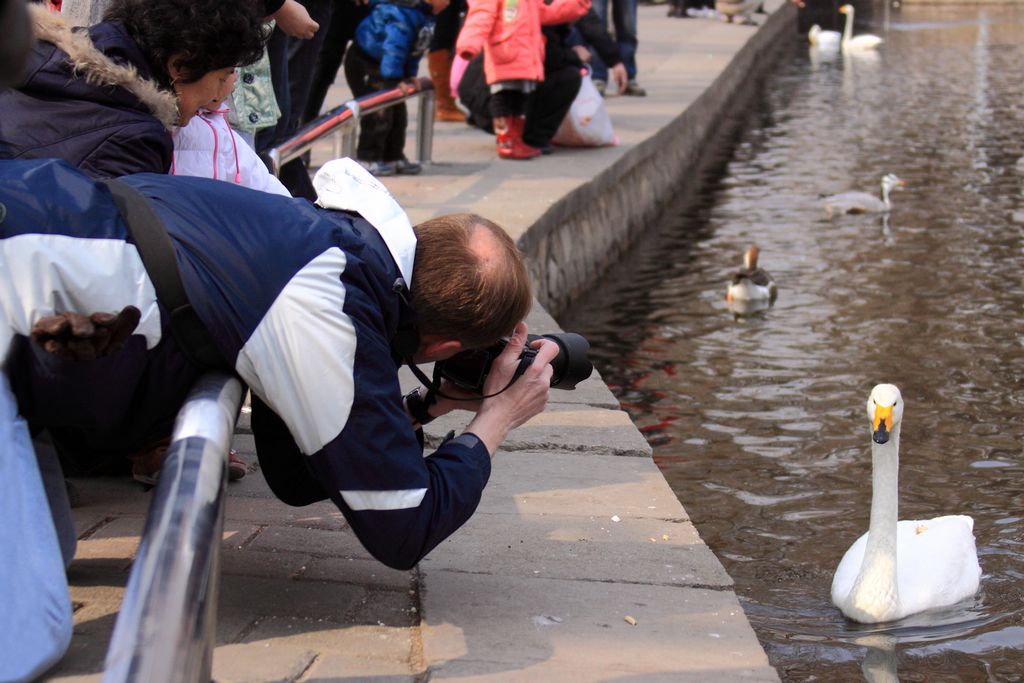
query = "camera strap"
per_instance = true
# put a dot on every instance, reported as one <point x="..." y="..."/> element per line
<point x="158" y="257"/>
<point x="407" y="340"/>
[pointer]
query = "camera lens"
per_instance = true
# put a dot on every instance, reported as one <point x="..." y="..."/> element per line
<point x="571" y="366"/>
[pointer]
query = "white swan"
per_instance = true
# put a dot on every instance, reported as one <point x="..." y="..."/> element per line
<point x="901" y="568"/>
<point x="824" y="40"/>
<point x="751" y="289"/>
<point x="862" y="202"/>
<point x="864" y="41"/>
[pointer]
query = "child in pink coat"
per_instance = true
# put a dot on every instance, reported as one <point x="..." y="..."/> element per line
<point x="508" y="32"/>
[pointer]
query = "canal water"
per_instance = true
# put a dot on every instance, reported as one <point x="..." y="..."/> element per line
<point x="759" y="423"/>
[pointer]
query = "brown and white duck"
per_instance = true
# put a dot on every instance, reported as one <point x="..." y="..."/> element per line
<point x="731" y="9"/>
<point x="751" y="288"/>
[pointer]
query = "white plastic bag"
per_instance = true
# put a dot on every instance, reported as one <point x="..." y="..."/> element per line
<point x="588" y="123"/>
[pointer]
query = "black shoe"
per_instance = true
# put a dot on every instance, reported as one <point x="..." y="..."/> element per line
<point x="380" y="169"/>
<point x="406" y="167"/>
<point x="633" y="89"/>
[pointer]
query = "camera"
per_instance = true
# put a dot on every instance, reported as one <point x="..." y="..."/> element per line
<point x="468" y="369"/>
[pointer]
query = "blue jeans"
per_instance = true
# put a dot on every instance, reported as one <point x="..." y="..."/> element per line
<point x="35" y="621"/>
<point x="624" y="21"/>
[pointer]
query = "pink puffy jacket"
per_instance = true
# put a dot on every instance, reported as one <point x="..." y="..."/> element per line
<point x="508" y="31"/>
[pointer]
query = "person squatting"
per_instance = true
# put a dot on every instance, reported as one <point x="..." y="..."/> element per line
<point x="307" y="304"/>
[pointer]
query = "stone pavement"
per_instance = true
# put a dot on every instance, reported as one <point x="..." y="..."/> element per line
<point x="579" y="565"/>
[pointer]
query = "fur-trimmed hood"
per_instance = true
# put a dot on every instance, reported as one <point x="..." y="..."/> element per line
<point x="98" y="69"/>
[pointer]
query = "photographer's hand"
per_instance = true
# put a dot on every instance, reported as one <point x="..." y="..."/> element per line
<point x="74" y="336"/>
<point x="528" y="395"/>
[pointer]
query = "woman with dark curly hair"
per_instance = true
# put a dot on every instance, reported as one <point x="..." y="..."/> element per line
<point x="107" y="99"/>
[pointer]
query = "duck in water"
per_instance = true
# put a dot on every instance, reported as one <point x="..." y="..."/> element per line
<point x="751" y="288"/>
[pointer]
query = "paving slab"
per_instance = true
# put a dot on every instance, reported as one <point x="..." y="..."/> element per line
<point x="557" y="483"/>
<point x="583" y="549"/>
<point x="499" y="626"/>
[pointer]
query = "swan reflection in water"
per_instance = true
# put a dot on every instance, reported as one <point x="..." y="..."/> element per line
<point x="880" y="660"/>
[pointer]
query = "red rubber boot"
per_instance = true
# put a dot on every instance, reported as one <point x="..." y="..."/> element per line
<point x="509" y="133"/>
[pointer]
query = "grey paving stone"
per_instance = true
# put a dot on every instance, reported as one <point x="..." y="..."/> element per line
<point x="557" y="670"/>
<point x="245" y="444"/>
<point x="118" y="540"/>
<point x="88" y="521"/>
<point x="264" y="662"/>
<point x="351" y="570"/>
<point x="253" y="485"/>
<point x="333" y="543"/>
<point x="263" y="598"/>
<point x="334" y="668"/>
<point x="113" y="544"/>
<point x="578" y="548"/>
<point x="264" y="511"/>
<point x="110" y="496"/>
<point x="562" y="427"/>
<point x="266" y="564"/>
<point x="496" y="625"/>
<point x="531" y="482"/>
<point x="384" y="643"/>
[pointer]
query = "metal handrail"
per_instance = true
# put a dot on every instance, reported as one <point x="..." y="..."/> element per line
<point x="342" y="122"/>
<point x="166" y="627"/>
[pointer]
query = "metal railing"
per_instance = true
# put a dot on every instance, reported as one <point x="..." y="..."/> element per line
<point x="342" y="123"/>
<point x="166" y="627"/>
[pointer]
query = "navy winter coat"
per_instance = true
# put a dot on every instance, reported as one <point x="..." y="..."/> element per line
<point x="108" y="119"/>
<point x="299" y="300"/>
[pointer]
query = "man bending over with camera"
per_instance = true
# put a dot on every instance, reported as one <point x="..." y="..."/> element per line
<point x="308" y="306"/>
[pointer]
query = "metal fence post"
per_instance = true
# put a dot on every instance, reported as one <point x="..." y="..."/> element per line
<point x="167" y="623"/>
<point x="425" y="127"/>
<point x="342" y="123"/>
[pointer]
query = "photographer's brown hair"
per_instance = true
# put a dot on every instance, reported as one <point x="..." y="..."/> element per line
<point x="469" y="281"/>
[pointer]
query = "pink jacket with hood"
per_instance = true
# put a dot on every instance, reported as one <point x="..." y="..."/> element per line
<point x="508" y="31"/>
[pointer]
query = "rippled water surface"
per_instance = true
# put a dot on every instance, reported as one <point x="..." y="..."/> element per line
<point x="759" y="424"/>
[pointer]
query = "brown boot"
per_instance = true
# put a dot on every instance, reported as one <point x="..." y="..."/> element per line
<point x="440" y="64"/>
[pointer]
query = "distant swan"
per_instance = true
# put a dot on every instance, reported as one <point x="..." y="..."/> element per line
<point x="824" y="40"/>
<point x="901" y="568"/>
<point x="862" y="202"/>
<point x="751" y="288"/>
<point x="864" y="41"/>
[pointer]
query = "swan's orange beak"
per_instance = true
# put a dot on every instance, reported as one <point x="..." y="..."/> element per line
<point x="882" y="424"/>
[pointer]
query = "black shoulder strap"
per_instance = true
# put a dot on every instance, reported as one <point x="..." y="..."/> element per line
<point x="157" y="253"/>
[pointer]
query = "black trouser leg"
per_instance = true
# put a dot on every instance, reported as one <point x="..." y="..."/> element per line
<point x="302" y="59"/>
<point x="394" y="145"/>
<point x="344" y="19"/>
<point x="507" y="103"/>
<point x="363" y="76"/>
<point x="549" y="103"/>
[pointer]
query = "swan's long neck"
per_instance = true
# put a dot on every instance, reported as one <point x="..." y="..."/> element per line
<point x="875" y="590"/>
<point x="885" y="195"/>
<point x="848" y="26"/>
